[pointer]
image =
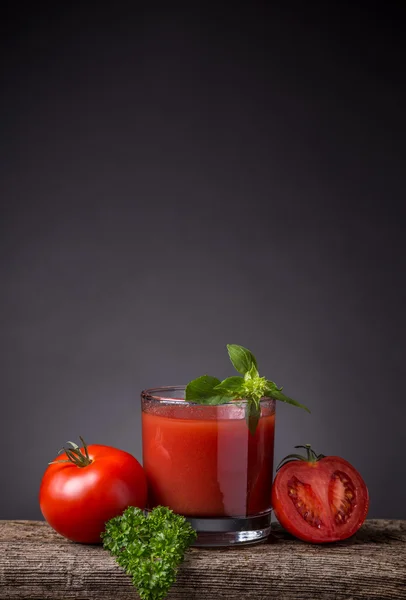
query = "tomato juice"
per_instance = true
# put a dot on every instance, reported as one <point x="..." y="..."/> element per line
<point x="202" y="461"/>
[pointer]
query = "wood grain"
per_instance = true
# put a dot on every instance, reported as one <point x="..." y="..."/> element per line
<point x="36" y="563"/>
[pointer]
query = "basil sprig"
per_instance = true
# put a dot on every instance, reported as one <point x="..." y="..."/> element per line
<point x="249" y="386"/>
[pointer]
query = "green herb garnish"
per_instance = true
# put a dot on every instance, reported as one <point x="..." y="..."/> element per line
<point x="149" y="547"/>
<point x="249" y="386"/>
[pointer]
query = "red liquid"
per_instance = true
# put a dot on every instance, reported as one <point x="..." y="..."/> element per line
<point x="201" y="462"/>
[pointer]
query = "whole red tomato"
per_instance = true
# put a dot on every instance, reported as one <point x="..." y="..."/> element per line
<point x="319" y="498"/>
<point x="85" y="487"/>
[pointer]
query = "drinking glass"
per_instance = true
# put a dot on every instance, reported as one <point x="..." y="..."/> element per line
<point x="202" y="462"/>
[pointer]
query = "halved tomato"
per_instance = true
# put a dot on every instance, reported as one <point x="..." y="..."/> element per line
<point x="319" y="498"/>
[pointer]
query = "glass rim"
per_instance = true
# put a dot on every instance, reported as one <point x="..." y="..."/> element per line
<point x="156" y="394"/>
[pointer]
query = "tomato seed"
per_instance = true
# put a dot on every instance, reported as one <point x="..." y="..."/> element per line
<point x="305" y="501"/>
<point x="342" y="501"/>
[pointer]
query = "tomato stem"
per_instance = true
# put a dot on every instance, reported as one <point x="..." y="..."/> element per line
<point x="311" y="456"/>
<point x="75" y="455"/>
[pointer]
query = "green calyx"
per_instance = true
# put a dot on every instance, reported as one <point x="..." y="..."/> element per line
<point x="249" y="386"/>
<point x="311" y="456"/>
<point x="76" y="455"/>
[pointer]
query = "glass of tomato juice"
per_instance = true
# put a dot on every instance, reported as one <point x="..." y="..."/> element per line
<point x="202" y="462"/>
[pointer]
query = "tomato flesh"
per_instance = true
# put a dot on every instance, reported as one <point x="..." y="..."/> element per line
<point x="342" y="497"/>
<point x="305" y="501"/>
<point x="320" y="502"/>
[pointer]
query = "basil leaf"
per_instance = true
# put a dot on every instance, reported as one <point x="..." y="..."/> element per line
<point x="242" y="358"/>
<point x="231" y="385"/>
<point x="252" y="415"/>
<point x="274" y="392"/>
<point x="252" y="373"/>
<point x="202" y="390"/>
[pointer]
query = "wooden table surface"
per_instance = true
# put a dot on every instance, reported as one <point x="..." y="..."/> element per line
<point x="35" y="562"/>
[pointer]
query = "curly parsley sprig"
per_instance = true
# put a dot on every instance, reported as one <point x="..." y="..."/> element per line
<point x="250" y="387"/>
<point x="149" y="547"/>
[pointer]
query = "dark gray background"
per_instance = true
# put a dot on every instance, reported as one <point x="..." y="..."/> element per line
<point x="175" y="179"/>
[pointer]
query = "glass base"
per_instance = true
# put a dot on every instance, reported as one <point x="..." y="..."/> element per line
<point x="231" y="531"/>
